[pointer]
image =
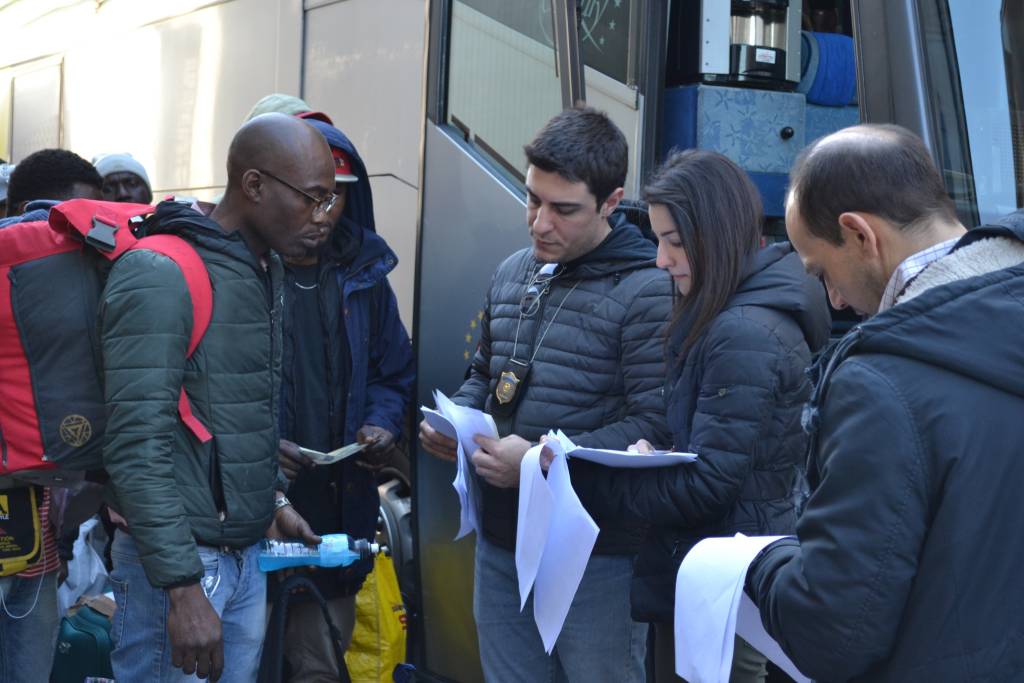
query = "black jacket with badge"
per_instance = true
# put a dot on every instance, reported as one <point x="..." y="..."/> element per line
<point x="598" y="369"/>
<point x="174" y="491"/>
<point x="907" y="566"/>
<point x="736" y="401"/>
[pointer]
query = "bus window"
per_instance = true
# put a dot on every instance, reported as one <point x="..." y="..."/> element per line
<point x="609" y="42"/>
<point x="983" y="33"/>
<point x="502" y="80"/>
<point x="973" y="83"/>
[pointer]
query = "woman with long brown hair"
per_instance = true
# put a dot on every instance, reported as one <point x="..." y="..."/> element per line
<point x="747" y="320"/>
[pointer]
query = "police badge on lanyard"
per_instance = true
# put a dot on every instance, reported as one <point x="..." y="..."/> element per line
<point x="512" y="377"/>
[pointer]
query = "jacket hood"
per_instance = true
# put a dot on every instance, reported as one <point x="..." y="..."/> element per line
<point x="964" y="322"/>
<point x="181" y="218"/>
<point x="35" y="210"/>
<point x="358" y="197"/>
<point x="775" y="278"/>
<point x="357" y="248"/>
<point x="625" y="248"/>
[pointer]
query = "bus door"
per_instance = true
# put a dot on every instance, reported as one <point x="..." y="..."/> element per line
<point x="497" y="71"/>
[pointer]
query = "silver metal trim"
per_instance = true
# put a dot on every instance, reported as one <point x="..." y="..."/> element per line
<point x="568" y="56"/>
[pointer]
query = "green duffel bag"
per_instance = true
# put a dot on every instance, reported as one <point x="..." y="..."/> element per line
<point x="83" y="646"/>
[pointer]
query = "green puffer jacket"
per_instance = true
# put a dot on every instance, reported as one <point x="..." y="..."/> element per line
<point x="174" y="491"/>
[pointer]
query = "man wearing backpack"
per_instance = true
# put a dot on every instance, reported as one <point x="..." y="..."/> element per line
<point x="29" y="619"/>
<point x="189" y="593"/>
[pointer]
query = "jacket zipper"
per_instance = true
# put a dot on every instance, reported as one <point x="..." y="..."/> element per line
<point x="3" y="447"/>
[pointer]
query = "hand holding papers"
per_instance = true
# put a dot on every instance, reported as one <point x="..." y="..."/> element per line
<point x="711" y="609"/>
<point x="555" y="538"/>
<point x="462" y="424"/>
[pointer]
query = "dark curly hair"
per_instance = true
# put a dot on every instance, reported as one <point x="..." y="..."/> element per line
<point x="49" y="174"/>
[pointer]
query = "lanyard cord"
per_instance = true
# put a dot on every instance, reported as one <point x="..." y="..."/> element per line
<point x="536" y="347"/>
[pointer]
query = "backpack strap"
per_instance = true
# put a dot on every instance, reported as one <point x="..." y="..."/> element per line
<point x="197" y="279"/>
<point x="104" y="226"/>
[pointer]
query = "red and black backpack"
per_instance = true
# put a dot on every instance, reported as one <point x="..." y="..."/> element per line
<point x="52" y="412"/>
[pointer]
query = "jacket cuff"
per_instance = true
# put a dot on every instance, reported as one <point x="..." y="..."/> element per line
<point x="764" y="566"/>
<point x="379" y="420"/>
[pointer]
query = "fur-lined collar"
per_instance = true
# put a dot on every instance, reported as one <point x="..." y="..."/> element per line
<point x="978" y="258"/>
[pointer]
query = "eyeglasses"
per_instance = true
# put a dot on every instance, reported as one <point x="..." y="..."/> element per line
<point x="323" y="206"/>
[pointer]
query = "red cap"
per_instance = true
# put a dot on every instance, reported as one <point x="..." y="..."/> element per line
<point x="343" y="167"/>
<point x="318" y="115"/>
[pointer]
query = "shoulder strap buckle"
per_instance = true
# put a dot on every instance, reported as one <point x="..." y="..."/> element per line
<point x="102" y="235"/>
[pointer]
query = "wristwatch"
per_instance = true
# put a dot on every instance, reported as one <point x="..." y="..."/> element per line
<point x="281" y="502"/>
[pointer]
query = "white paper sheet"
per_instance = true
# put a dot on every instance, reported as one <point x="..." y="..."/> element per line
<point x="571" y="539"/>
<point x="536" y="506"/>
<point x="622" y="459"/>
<point x="439" y="423"/>
<point x="462" y="424"/>
<point x="555" y="538"/>
<point x="710" y="610"/>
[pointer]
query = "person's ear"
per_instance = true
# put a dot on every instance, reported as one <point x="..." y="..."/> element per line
<point x="612" y="203"/>
<point x="253" y="185"/>
<point x="861" y="233"/>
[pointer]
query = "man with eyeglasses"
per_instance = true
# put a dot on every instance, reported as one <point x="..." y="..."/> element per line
<point x="190" y="597"/>
<point x="347" y="377"/>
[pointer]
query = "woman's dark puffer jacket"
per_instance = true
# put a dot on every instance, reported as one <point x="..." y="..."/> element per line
<point x="736" y="401"/>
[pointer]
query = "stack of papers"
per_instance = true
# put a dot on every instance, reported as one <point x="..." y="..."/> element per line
<point x="554" y="540"/>
<point x="462" y="424"/>
<point x="711" y="609"/>
<point x="556" y="534"/>
<point x="625" y="459"/>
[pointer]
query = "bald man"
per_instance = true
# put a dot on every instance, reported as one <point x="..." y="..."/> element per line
<point x="907" y="561"/>
<point x="190" y="597"/>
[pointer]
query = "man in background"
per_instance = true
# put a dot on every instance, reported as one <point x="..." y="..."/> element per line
<point x="5" y="177"/>
<point x="47" y="177"/>
<point x="29" y="621"/>
<point x="124" y="179"/>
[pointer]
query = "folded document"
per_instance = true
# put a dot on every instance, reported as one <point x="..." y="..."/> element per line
<point x="711" y="609"/>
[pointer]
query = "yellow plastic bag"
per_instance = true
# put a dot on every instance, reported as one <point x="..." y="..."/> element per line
<point x="378" y="641"/>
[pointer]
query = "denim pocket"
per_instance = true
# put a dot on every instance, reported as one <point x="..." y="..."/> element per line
<point x="211" y="571"/>
<point x="121" y="598"/>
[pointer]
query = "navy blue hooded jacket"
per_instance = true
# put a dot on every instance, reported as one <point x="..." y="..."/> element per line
<point x="376" y="387"/>
<point x="908" y="561"/>
<point x="736" y="401"/>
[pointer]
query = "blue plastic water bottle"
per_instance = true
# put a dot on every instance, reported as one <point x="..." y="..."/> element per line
<point x="336" y="550"/>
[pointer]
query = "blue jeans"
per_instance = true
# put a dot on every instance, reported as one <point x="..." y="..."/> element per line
<point x="599" y="641"/>
<point x="236" y="589"/>
<point x="27" y="645"/>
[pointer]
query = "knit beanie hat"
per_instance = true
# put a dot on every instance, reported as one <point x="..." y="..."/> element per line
<point x="121" y="163"/>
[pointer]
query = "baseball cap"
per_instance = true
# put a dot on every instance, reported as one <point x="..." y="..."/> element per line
<point x="343" y="167"/>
